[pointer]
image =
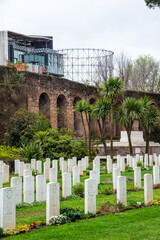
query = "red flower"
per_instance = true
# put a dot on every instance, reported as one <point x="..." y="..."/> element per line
<point x="115" y="191"/>
<point x="31" y="225"/>
<point x="60" y="188"/>
<point x="58" y="177"/>
<point x="157" y="185"/>
<point x="34" y="224"/>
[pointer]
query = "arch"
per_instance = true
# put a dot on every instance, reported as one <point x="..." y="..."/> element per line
<point x="62" y="112"/>
<point x="44" y="105"/>
<point x="78" y="127"/>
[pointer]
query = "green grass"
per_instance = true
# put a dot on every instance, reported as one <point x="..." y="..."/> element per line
<point x="113" y="226"/>
<point x="134" y="224"/>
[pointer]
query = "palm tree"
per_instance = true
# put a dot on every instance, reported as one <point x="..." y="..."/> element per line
<point x="131" y="109"/>
<point x="150" y="119"/>
<point x="83" y="106"/>
<point x="101" y="110"/>
<point x="112" y="89"/>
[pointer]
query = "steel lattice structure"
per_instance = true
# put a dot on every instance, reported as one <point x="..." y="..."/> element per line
<point x="86" y="64"/>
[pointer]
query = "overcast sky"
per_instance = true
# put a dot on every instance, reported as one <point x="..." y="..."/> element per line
<point x="117" y="25"/>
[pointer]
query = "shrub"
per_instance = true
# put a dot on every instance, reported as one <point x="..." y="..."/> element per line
<point x="1" y="232"/>
<point x="71" y="214"/>
<point x="79" y="190"/>
<point x="58" y="220"/>
<point x="139" y="164"/>
<point x="9" y="154"/>
<point x="30" y="151"/>
<point x="23" y="125"/>
<point x="108" y="190"/>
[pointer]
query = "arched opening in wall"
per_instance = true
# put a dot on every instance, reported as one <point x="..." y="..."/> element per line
<point x="62" y="112"/>
<point x="78" y="127"/>
<point x="94" y="125"/>
<point x="44" y="105"/>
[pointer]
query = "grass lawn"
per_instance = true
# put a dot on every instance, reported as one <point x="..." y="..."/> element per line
<point x="133" y="224"/>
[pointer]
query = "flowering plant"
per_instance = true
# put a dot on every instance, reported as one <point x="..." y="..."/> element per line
<point x="15" y="230"/>
<point x="58" y="220"/>
<point x="33" y="225"/>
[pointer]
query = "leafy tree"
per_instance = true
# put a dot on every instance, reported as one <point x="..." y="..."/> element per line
<point x="152" y="3"/>
<point x="150" y="119"/>
<point x="131" y="109"/>
<point x="23" y="125"/>
<point x="111" y="89"/>
<point x="101" y="110"/>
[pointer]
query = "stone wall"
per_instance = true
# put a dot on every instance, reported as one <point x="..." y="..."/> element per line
<point x="54" y="97"/>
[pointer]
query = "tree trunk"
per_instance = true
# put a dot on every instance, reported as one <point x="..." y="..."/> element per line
<point x="101" y="129"/>
<point x="130" y="143"/>
<point x="85" y="134"/>
<point x="89" y="129"/>
<point x="111" y="131"/>
<point x="147" y="143"/>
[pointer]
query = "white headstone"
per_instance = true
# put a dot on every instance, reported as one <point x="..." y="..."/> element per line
<point x="27" y="166"/>
<point x="64" y="166"/>
<point x="39" y="166"/>
<point x="93" y="175"/>
<point x="97" y="168"/>
<point x="7" y="208"/>
<point x="27" y="172"/>
<point x="46" y="169"/>
<point x="28" y="189"/>
<point x="16" y="166"/>
<point x="155" y="174"/>
<point x="146" y="160"/>
<point x="55" y="164"/>
<point x="121" y="190"/>
<point x="66" y="184"/>
<point x="137" y="177"/>
<point x="40" y="188"/>
<point x="76" y="175"/>
<point x="148" y="188"/>
<point x="122" y="164"/>
<point x="109" y="164"/>
<point x="70" y="165"/>
<point x="53" y="175"/>
<point x="33" y="164"/>
<point x="134" y="161"/>
<point x="5" y="173"/>
<point x="21" y="169"/>
<point x="90" y="196"/>
<point x="80" y="165"/>
<point x="150" y="160"/>
<point x="74" y="161"/>
<point x="61" y="159"/>
<point x="52" y="201"/>
<point x="116" y="173"/>
<point x="16" y="182"/>
<point x="1" y="180"/>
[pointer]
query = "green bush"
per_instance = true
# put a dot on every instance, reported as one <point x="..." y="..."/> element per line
<point x="30" y="151"/>
<point x="139" y="164"/>
<point x="23" y="125"/>
<point x="1" y="232"/>
<point x="79" y="190"/>
<point x="9" y="154"/>
<point x="72" y="214"/>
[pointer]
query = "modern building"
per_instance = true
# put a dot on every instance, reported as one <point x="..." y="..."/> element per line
<point x="34" y="51"/>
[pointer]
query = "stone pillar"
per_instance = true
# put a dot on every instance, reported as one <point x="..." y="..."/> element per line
<point x="40" y="188"/>
<point x="53" y="175"/>
<point x="16" y="166"/>
<point x="39" y="166"/>
<point x="28" y="189"/>
<point x="52" y="201"/>
<point x="16" y="182"/>
<point x="148" y="188"/>
<point x="21" y="168"/>
<point x="27" y="173"/>
<point x="5" y="173"/>
<point x="66" y="184"/>
<point x="7" y="208"/>
<point x="76" y="175"/>
<point x="61" y="160"/>
<point x="121" y="190"/>
<point x="64" y="166"/>
<point x="93" y="175"/>
<point x="33" y="164"/>
<point x="116" y="173"/>
<point x="97" y="168"/>
<point x="155" y="174"/>
<point x="137" y="177"/>
<point x="90" y="196"/>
